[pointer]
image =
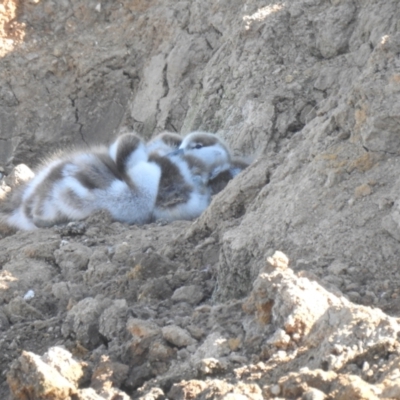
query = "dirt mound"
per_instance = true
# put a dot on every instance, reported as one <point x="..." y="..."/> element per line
<point x="309" y="89"/>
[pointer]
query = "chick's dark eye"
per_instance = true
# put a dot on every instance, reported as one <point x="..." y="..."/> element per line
<point x="198" y="146"/>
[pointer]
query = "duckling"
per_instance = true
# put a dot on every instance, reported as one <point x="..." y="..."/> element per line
<point x="209" y="149"/>
<point x="180" y="195"/>
<point x="225" y="166"/>
<point x="127" y="151"/>
<point x="184" y="192"/>
<point x="17" y="211"/>
<point x="118" y="179"/>
<point x="164" y="143"/>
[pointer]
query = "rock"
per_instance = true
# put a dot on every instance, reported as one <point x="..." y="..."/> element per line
<point x="278" y="260"/>
<point x="98" y="272"/>
<point x="82" y="321"/>
<point x="153" y="394"/>
<point x="73" y="228"/>
<point x="144" y="335"/>
<point x="142" y="329"/>
<point x="52" y="376"/>
<point x="322" y="320"/>
<point x="88" y="394"/>
<point x="154" y="289"/>
<point x="4" y="323"/>
<point x="192" y="294"/>
<point x="313" y="394"/>
<point x="149" y="265"/>
<point x="108" y="374"/>
<point x="280" y="339"/>
<point x="215" y="345"/>
<point x="215" y="388"/>
<point x="158" y="351"/>
<point x="62" y="360"/>
<point x="23" y="275"/>
<point x="73" y="259"/>
<point x="353" y="387"/>
<point x="177" y="336"/>
<point x="185" y="390"/>
<point x="19" y="175"/>
<point x="67" y="292"/>
<point x="107" y="393"/>
<point x="275" y="390"/>
<point x="112" y="321"/>
<point x="18" y="310"/>
<point x="337" y="268"/>
<point x="138" y="375"/>
<point x="211" y="366"/>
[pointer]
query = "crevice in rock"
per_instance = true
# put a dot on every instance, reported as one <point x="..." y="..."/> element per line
<point x="78" y="122"/>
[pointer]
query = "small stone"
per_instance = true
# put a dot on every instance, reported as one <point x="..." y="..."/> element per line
<point x="177" y="336"/>
<point x="278" y="260"/>
<point x="337" y="268"/>
<point x="160" y="352"/>
<point x="192" y="294"/>
<point x="337" y="349"/>
<point x="237" y="358"/>
<point x="187" y="389"/>
<point x="182" y="354"/>
<point x="353" y="286"/>
<point x="365" y="366"/>
<point x="275" y="390"/>
<point x="82" y="321"/>
<point x="108" y="373"/>
<point x="29" y="295"/>
<point x="211" y="366"/>
<point x="20" y="174"/>
<point x="362" y="191"/>
<point x="74" y="228"/>
<point x="142" y="328"/>
<point x="280" y="339"/>
<point x="235" y="396"/>
<point x="113" y="319"/>
<point x="195" y="331"/>
<point x="313" y="394"/>
<point x="355" y="297"/>
<point x="234" y="343"/>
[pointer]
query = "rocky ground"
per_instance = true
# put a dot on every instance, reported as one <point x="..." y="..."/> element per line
<point x="207" y="309"/>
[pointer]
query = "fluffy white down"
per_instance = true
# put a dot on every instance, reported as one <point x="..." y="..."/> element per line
<point x="128" y="205"/>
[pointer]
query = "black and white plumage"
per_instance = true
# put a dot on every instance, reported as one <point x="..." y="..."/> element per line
<point x="184" y="191"/>
<point x="164" y="143"/>
<point x="219" y="182"/>
<point x="212" y="153"/>
<point x="222" y="165"/>
<point x="119" y="179"/>
<point x="170" y="178"/>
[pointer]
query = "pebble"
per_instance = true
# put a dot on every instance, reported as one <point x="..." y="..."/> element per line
<point x="177" y="336"/>
<point x="365" y="366"/>
<point x="313" y="394"/>
<point x="210" y="366"/>
<point x="275" y="390"/>
<point x="192" y="294"/>
<point x="30" y="294"/>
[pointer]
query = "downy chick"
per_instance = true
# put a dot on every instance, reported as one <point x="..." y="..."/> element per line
<point x="164" y="143"/>
<point x="184" y="192"/>
<point x="75" y="185"/>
